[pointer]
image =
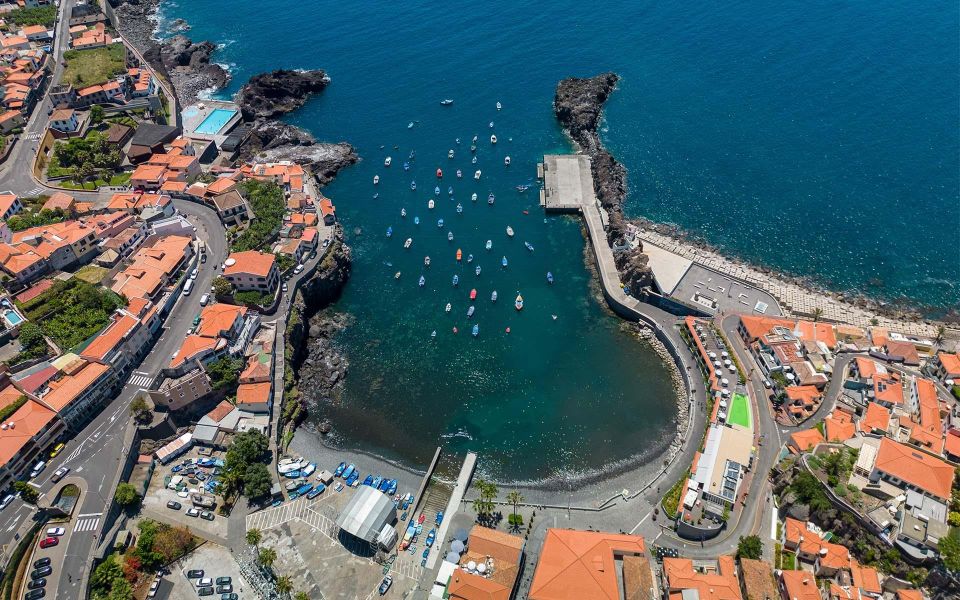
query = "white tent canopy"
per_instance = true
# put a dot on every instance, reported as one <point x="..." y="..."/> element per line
<point x="366" y="514"/>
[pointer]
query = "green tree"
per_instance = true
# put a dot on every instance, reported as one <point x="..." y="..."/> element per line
<point x="949" y="547"/>
<point x="750" y="547"/>
<point x="254" y="536"/>
<point x="126" y="495"/>
<point x="104" y="576"/>
<point x="817" y="313"/>
<point x="284" y="585"/>
<point x="301" y="596"/>
<point x="27" y="492"/>
<point x="486" y="491"/>
<point x="222" y="287"/>
<point x="224" y="374"/>
<point x="140" y="410"/>
<point x="266" y="557"/>
<point x="257" y="481"/>
<point x="96" y="114"/>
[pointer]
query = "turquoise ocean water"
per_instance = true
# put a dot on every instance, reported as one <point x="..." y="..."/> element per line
<point x="814" y="137"/>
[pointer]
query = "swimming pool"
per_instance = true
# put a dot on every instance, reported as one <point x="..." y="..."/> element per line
<point x="12" y="318"/>
<point x="215" y="121"/>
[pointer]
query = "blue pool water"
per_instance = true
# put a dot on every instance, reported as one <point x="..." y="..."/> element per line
<point x="215" y="121"/>
<point x="12" y="318"/>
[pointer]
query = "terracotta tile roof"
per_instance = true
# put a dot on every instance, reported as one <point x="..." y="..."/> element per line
<point x="834" y="556"/>
<point x="32" y="292"/>
<point x="580" y="564"/>
<point x="806" y="439"/>
<point x="28" y="420"/>
<point x="467" y="586"/>
<point x="793" y="530"/>
<point x="221" y="185"/>
<point x="6" y="202"/>
<point x="723" y="585"/>
<point x="839" y="426"/>
<point x="950" y="362"/>
<point x="34" y="383"/>
<point x="951" y="441"/>
<point x="909" y="595"/>
<point x="800" y="585"/>
<point x="758" y="582"/>
<point x="817" y="332"/>
<point x="906" y="350"/>
<point x="875" y="418"/>
<point x="149" y="173"/>
<point x="254" y="393"/>
<point x="60" y="200"/>
<point x="218" y="319"/>
<point x="220" y="411"/>
<point x="65" y="390"/>
<point x="806" y="394"/>
<point x="120" y="327"/>
<point x="637" y="578"/>
<point x="865" y="578"/>
<point x="757" y="327"/>
<point x="888" y="389"/>
<point x="925" y="472"/>
<point x="866" y="367"/>
<point x="194" y="346"/>
<point x="258" y="368"/>
<point x="251" y="262"/>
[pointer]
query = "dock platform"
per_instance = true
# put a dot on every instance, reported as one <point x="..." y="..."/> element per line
<point x="567" y="183"/>
<point x="463" y="481"/>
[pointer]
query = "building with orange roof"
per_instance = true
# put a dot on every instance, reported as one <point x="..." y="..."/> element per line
<point x="286" y="174"/>
<point x="946" y="366"/>
<point x="148" y="177"/>
<point x="252" y="271"/>
<point x="902" y="351"/>
<point x="327" y="211"/>
<point x="196" y="348"/>
<point x="754" y="327"/>
<point x="951" y="445"/>
<point x="721" y="583"/>
<point x="152" y="268"/>
<point x="78" y="391"/>
<point x="909" y="594"/>
<point x="221" y="320"/>
<point x="502" y="555"/>
<point x="60" y="201"/>
<point x="259" y="368"/>
<point x="61" y="244"/>
<point x="255" y="397"/>
<point x="839" y="426"/>
<point x="25" y="436"/>
<point x="866" y="580"/>
<point x="831" y="559"/>
<point x="582" y="564"/>
<point x="757" y="580"/>
<point x="801" y="441"/>
<point x="925" y="425"/>
<point x="875" y="419"/>
<point x="10" y="120"/>
<point x="887" y="390"/>
<point x="817" y="331"/>
<point x="911" y="469"/>
<point x="10" y="205"/>
<point x="866" y="368"/>
<point x="35" y="33"/>
<point x="22" y="262"/>
<point x="799" y="585"/>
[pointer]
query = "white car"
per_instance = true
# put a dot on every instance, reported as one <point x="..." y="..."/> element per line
<point x="194" y="273"/>
<point x="153" y="588"/>
<point x="204" y="582"/>
<point x="6" y="501"/>
<point x="204" y="299"/>
<point x="298" y="269"/>
<point x="284" y="287"/>
<point x="56" y="531"/>
<point x="193" y="512"/>
<point x="38" y="468"/>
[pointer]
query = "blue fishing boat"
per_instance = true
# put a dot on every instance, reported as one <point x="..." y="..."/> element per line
<point x="503" y="262"/>
<point x="436" y="191"/>
<point x="475" y="331"/>
<point x="316" y="491"/>
<point x="413" y="185"/>
<point x="406" y="166"/>
<point x="456" y="280"/>
<point x="549" y="277"/>
<point x="376" y="481"/>
<point x="392" y="488"/>
<point x="305" y="489"/>
<point x="292" y="474"/>
<point x="353" y="478"/>
<point x="422" y="281"/>
<point x="439" y="222"/>
<point x="459" y="208"/>
<point x="368" y="480"/>
<point x="416" y="220"/>
<point x="389" y="231"/>
<point x="529" y="246"/>
<point x="384" y="485"/>
<point x="477" y="270"/>
<point x="439" y="517"/>
<point x="349" y="471"/>
<point x="339" y="471"/>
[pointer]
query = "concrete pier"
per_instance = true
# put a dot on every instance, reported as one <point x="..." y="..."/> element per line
<point x="463" y="481"/>
<point x="568" y="183"/>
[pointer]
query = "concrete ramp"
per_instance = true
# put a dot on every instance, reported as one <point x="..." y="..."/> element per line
<point x="668" y="268"/>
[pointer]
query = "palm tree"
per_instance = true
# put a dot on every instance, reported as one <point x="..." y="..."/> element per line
<point x="939" y="337"/>
<point x="515" y="498"/>
<point x="254" y="536"/>
<point x="230" y="484"/>
<point x="817" y="313"/>
<point x="284" y="585"/>
<point x="267" y="556"/>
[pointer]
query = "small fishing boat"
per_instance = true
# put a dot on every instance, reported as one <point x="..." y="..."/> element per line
<point x="422" y="281"/>
<point x="439" y="222"/>
<point x="455" y="330"/>
<point x="349" y="471"/>
<point x="506" y="161"/>
<point x="387" y="161"/>
<point x="473" y="197"/>
<point x="493" y="296"/>
<point x="475" y="331"/>
<point x="518" y="303"/>
<point x="308" y="470"/>
<point x="459" y="255"/>
<point x="470" y="311"/>
<point x="367" y="480"/>
<point x="491" y="124"/>
<point x="426" y="261"/>
<point x="493" y="139"/>
<point x="413" y="185"/>
<point x="431" y="204"/>
<point x="473" y="160"/>
<point x="403" y="212"/>
<point x="459" y="208"/>
<point x="522" y="188"/>
<point x="434" y="334"/>
<point x="376" y="179"/>
<point x="439" y="173"/>
<point x="529" y="246"/>
<point x="436" y="191"/>
<point x="389" y="231"/>
<point x="473" y="148"/>
<point x="449" y="307"/>
<point x="473" y="294"/>
<point x="377" y="195"/>
<point x="339" y="470"/>
<point x="549" y="277"/>
<point x="406" y="166"/>
<point x="316" y="491"/>
<point x="407" y="243"/>
<point x="449" y="236"/>
<point x="498" y="106"/>
<point x="396" y="275"/>
<point x="446" y="102"/>
<point x="503" y="262"/>
<point x="410" y="125"/>
<point x="526" y="212"/>
<point x="456" y="280"/>
<point x="475" y="138"/>
<point x="469" y="258"/>
<point x="491" y="198"/>
<point x="489" y="244"/>
<point x="459" y="174"/>
<point x="376" y="482"/>
<point x="509" y="231"/>
<point x="477" y="270"/>
<point x="450" y="153"/>
<point x="412" y="154"/>
<point x="450" y="191"/>
<point x="416" y="220"/>
<point x="477" y="174"/>
<point x="458" y="141"/>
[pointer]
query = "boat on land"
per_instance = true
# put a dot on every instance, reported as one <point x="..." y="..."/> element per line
<point x="473" y="197"/>
<point x="449" y="236"/>
<point x="446" y="102"/>
<point x="439" y="222"/>
<point x="416" y="220"/>
<point x="477" y="270"/>
<point x="339" y="470"/>
<point x="422" y="281"/>
<point x="477" y="174"/>
<point x="518" y="303"/>
<point x="431" y="204"/>
<point x="349" y="471"/>
<point x="456" y="280"/>
<point x="489" y="244"/>
<point x="376" y="179"/>
<point x="392" y="488"/>
<point x="316" y="491"/>
<point x="491" y="198"/>
<point x="449" y="307"/>
<point x="309" y="469"/>
<point x="389" y="231"/>
<point x="529" y="246"/>
<point x="493" y="296"/>
<point x="426" y="261"/>
<point x="387" y="161"/>
<point x="408" y="242"/>
<point x="503" y="262"/>
<point x="450" y="153"/>
<point x="367" y="480"/>
<point x="493" y="139"/>
<point x="549" y="277"/>
<point x="413" y="185"/>
<point x="509" y="231"/>
<point x="473" y="294"/>
<point x="459" y="208"/>
<point x="403" y="212"/>
<point x="459" y="255"/>
<point x="475" y="331"/>
<point x="459" y="174"/>
<point x="470" y="311"/>
<point x="506" y="161"/>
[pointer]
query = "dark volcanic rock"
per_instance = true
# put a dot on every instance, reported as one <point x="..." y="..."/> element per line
<point x="270" y="95"/>
<point x="189" y="68"/>
<point x="578" y="105"/>
<point x="275" y="141"/>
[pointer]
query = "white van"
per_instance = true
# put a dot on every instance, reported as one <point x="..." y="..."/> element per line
<point x="204" y="299"/>
<point x="187" y="287"/>
<point x="38" y="468"/>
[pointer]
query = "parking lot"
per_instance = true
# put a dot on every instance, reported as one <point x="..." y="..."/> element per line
<point x="158" y="495"/>
<point x="215" y="561"/>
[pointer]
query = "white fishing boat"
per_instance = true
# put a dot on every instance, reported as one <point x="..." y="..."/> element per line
<point x="493" y="296"/>
<point x="506" y="161"/>
<point x="403" y="212"/>
<point x="473" y="197"/>
<point x="459" y="208"/>
<point x="407" y="243"/>
<point x="450" y="153"/>
<point x="459" y="174"/>
<point x="431" y="204"/>
<point x="449" y="236"/>
<point x="518" y="303"/>
<point x="422" y="281"/>
<point x="491" y="124"/>
<point x="489" y="244"/>
<point x="473" y="160"/>
<point x="426" y="261"/>
<point x="449" y="307"/>
<point x="396" y="275"/>
<point x="498" y="106"/>
<point x="475" y="138"/>
<point x="376" y="179"/>
<point x="493" y="139"/>
<point x="491" y="198"/>
<point x="387" y="161"/>
<point x="477" y="174"/>
<point x="509" y="231"/>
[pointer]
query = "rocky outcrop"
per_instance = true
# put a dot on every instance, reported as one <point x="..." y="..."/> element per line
<point x="189" y="68"/>
<point x="324" y="288"/>
<point x="578" y="105"/>
<point x="275" y="141"/>
<point x="273" y="94"/>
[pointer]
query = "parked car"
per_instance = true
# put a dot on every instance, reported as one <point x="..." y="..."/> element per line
<point x="206" y="515"/>
<point x="48" y="542"/>
<point x="193" y="512"/>
<point x="41" y="562"/>
<point x="767" y="384"/>
<point x="38" y="468"/>
<point x="34" y="594"/>
<point x="224" y="589"/>
<point x="204" y="299"/>
<point x="298" y="269"/>
<point x="205" y="591"/>
<point x="59" y="474"/>
<point x="154" y="587"/>
<point x="36" y="583"/>
<point x="194" y="573"/>
<point x="230" y="596"/>
<point x="56" y="531"/>
<point x="203" y="258"/>
<point x="194" y="273"/>
<point x="205" y="582"/>
<point x="284" y="286"/>
<point x="224" y="580"/>
<point x="6" y="501"/>
<point x="385" y="585"/>
<point x="173" y="504"/>
<point x="41" y="572"/>
<point x="56" y="450"/>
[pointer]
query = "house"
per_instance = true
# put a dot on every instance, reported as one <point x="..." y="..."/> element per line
<point x="149" y="139"/>
<point x="839" y="426"/>
<point x="255" y="397"/>
<point x="799" y="585"/>
<point x="195" y="349"/>
<point x="682" y="580"/>
<point x="584" y="564"/>
<point x="231" y="207"/>
<point x="61" y="244"/>
<point x="118" y="134"/>
<point x="36" y="33"/>
<point x="65" y="120"/>
<point x="327" y="211"/>
<point x="801" y="441"/>
<point x="946" y="366"/>
<point x="177" y="393"/>
<point x="831" y="559"/>
<point x="121" y="344"/>
<point x="223" y="320"/>
<point x="78" y="390"/>
<point x="875" y="419"/>
<point x="21" y="262"/>
<point x="148" y="177"/>
<point x="10" y="120"/>
<point x="9" y="205"/>
<point x="802" y="400"/>
<point x="757" y="580"/>
<point x="501" y="553"/>
<point x="152" y="268"/>
<point x="252" y="271"/>
<point x="219" y="325"/>
<point x="910" y="469"/>
<point x="923" y="423"/>
<point x="286" y="174"/>
<point x="259" y="368"/>
<point x="902" y="351"/>
<point x="25" y="435"/>
<point x="866" y="580"/>
<point x="61" y="201"/>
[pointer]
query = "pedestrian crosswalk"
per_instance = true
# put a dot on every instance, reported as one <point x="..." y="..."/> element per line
<point x="33" y="136"/>
<point x="86" y="524"/>
<point x="140" y="379"/>
<point x="34" y="192"/>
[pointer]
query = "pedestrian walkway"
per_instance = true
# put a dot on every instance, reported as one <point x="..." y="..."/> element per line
<point x="87" y="523"/>
<point x="141" y="379"/>
<point x="277" y="515"/>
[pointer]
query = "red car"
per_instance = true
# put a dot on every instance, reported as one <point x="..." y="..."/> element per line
<point x="50" y="541"/>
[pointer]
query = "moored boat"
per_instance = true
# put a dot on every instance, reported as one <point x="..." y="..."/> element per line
<point x="426" y="261"/>
<point x="449" y="236"/>
<point x="518" y="303"/>
<point x="450" y="153"/>
<point x="439" y="173"/>
<point x="470" y="311"/>
<point x="413" y="185"/>
<point x="449" y="307"/>
<point x="430" y="204"/>
<point x="473" y="160"/>
<point x="498" y="106"/>
<point x="436" y="191"/>
<point x="473" y="148"/>
<point x="473" y="197"/>
<point x="477" y="270"/>
<point x="450" y="191"/>
<point x="403" y="212"/>
<point x="489" y="244"/>
<point x="477" y="174"/>
<point x="406" y="166"/>
<point x="396" y="275"/>
<point x="503" y="262"/>
<point x="529" y="246"/>
<point x="473" y="294"/>
<point x="456" y="280"/>
<point x="459" y="255"/>
<point x="422" y="281"/>
<point x="446" y="102"/>
<point x="459" y="173"/>
<point x="459" y="208"/>
<point x="493" y="296"/>
<point x="376" y="179"/>
<point x="491" y="198"/>
<point x="416" y="220"/>
<point x="439" y="222"/>
<point x="493" y="139"/>
<point x="509" y="231"/>
<point x="389" y="231"/>
<point x="475" y="331"/>
<point x="506" y="161"/>
<point x="387" y="161"/>
<point x="549" y="277"/>
<point x="469" y="258"/>
<point x="408" y="242"/>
